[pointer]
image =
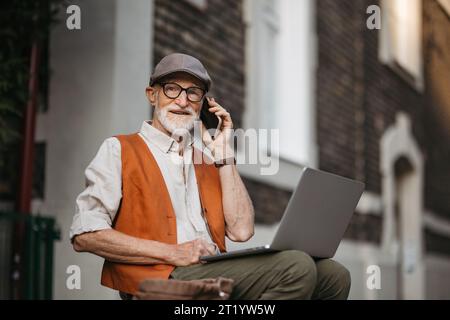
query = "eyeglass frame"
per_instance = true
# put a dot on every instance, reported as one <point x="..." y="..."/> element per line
<point x="163" y="84"/>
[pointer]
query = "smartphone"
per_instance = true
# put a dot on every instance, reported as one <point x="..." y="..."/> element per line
<point x="209" y="119"/>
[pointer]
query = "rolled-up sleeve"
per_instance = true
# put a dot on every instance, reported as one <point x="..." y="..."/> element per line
<point x="97" y="205"/>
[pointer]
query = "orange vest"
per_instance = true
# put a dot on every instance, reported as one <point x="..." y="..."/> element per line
<point x="146" y="211"/>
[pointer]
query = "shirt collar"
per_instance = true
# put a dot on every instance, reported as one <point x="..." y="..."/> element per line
<point x="160" y="139"/>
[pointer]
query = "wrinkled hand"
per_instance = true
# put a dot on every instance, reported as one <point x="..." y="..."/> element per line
<point x="188" y="253"/>
<point x="222" y="146"/>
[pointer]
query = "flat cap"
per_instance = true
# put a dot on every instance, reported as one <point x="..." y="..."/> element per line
<point x="180" y="62"/>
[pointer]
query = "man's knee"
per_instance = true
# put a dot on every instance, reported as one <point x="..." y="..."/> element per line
<point x="300" y="266"/>
<point x="335" y="277"/>
<point x="343" y="278"/>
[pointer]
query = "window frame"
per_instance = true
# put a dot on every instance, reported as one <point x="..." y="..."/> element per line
<point x="290" y="165"/>
<point x="387" y="47"/>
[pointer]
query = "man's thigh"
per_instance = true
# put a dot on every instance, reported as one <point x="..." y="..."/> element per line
<point x="252" y="275"/>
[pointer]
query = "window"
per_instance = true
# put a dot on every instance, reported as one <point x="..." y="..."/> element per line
<point x="280" y="60"/>
<point x="401" y="39"/>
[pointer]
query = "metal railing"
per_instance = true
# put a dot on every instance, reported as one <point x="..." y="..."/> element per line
<point x="35" y="258"/>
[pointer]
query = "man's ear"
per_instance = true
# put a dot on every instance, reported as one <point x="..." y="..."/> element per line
<point x="151" y="93"/>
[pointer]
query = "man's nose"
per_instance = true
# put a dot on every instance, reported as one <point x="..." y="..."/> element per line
<point x="182" y="100"/>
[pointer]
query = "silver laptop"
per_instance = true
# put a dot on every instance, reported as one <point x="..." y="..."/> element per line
<point x="315" y="218"/>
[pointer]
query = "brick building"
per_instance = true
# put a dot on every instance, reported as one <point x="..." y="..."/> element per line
<point x="358" y="98"/>
<point x="345" y="99"/>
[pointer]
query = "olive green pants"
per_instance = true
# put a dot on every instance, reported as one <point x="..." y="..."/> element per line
<point x="281" y="275"/>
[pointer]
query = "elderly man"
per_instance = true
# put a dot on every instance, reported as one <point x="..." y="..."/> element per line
<point x="151" y="211"/>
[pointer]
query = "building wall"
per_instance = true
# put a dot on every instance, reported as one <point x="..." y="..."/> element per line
<point x="357" y="101"/>
<point x="437" y="105"/>
<point x="215" y="35"/>
<point x="358" y="98"/>
<point x="97" y="82"/>
<point x="97" y="90"/>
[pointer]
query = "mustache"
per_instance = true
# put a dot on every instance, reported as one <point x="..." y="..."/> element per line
<point x="176" y="108"/>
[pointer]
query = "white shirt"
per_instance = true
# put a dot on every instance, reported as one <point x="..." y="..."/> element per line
<point x="97" y="205"/>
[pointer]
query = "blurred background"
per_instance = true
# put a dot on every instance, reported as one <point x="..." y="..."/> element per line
<point x="369" y="104"/>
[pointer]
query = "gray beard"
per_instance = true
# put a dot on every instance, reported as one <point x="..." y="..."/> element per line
<point x="171" y="126"/>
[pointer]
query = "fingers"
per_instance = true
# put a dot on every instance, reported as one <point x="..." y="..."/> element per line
<point x="199" y="248"/>
<point x="195" y="249"/>
<point x="224" y="115"/>
<point x="211" y="101"/>
<point x="221" y="112"/>
<point x="205" y="248"/>
<point x="211" y="249"/>
<point x="214" y="106"/>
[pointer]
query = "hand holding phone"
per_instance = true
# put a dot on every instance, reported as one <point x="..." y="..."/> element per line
<point x="209" y="119"/>
<point x="214" y="116"/>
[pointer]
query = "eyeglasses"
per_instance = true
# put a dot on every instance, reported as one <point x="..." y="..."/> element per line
<point x="173" y="91"/>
